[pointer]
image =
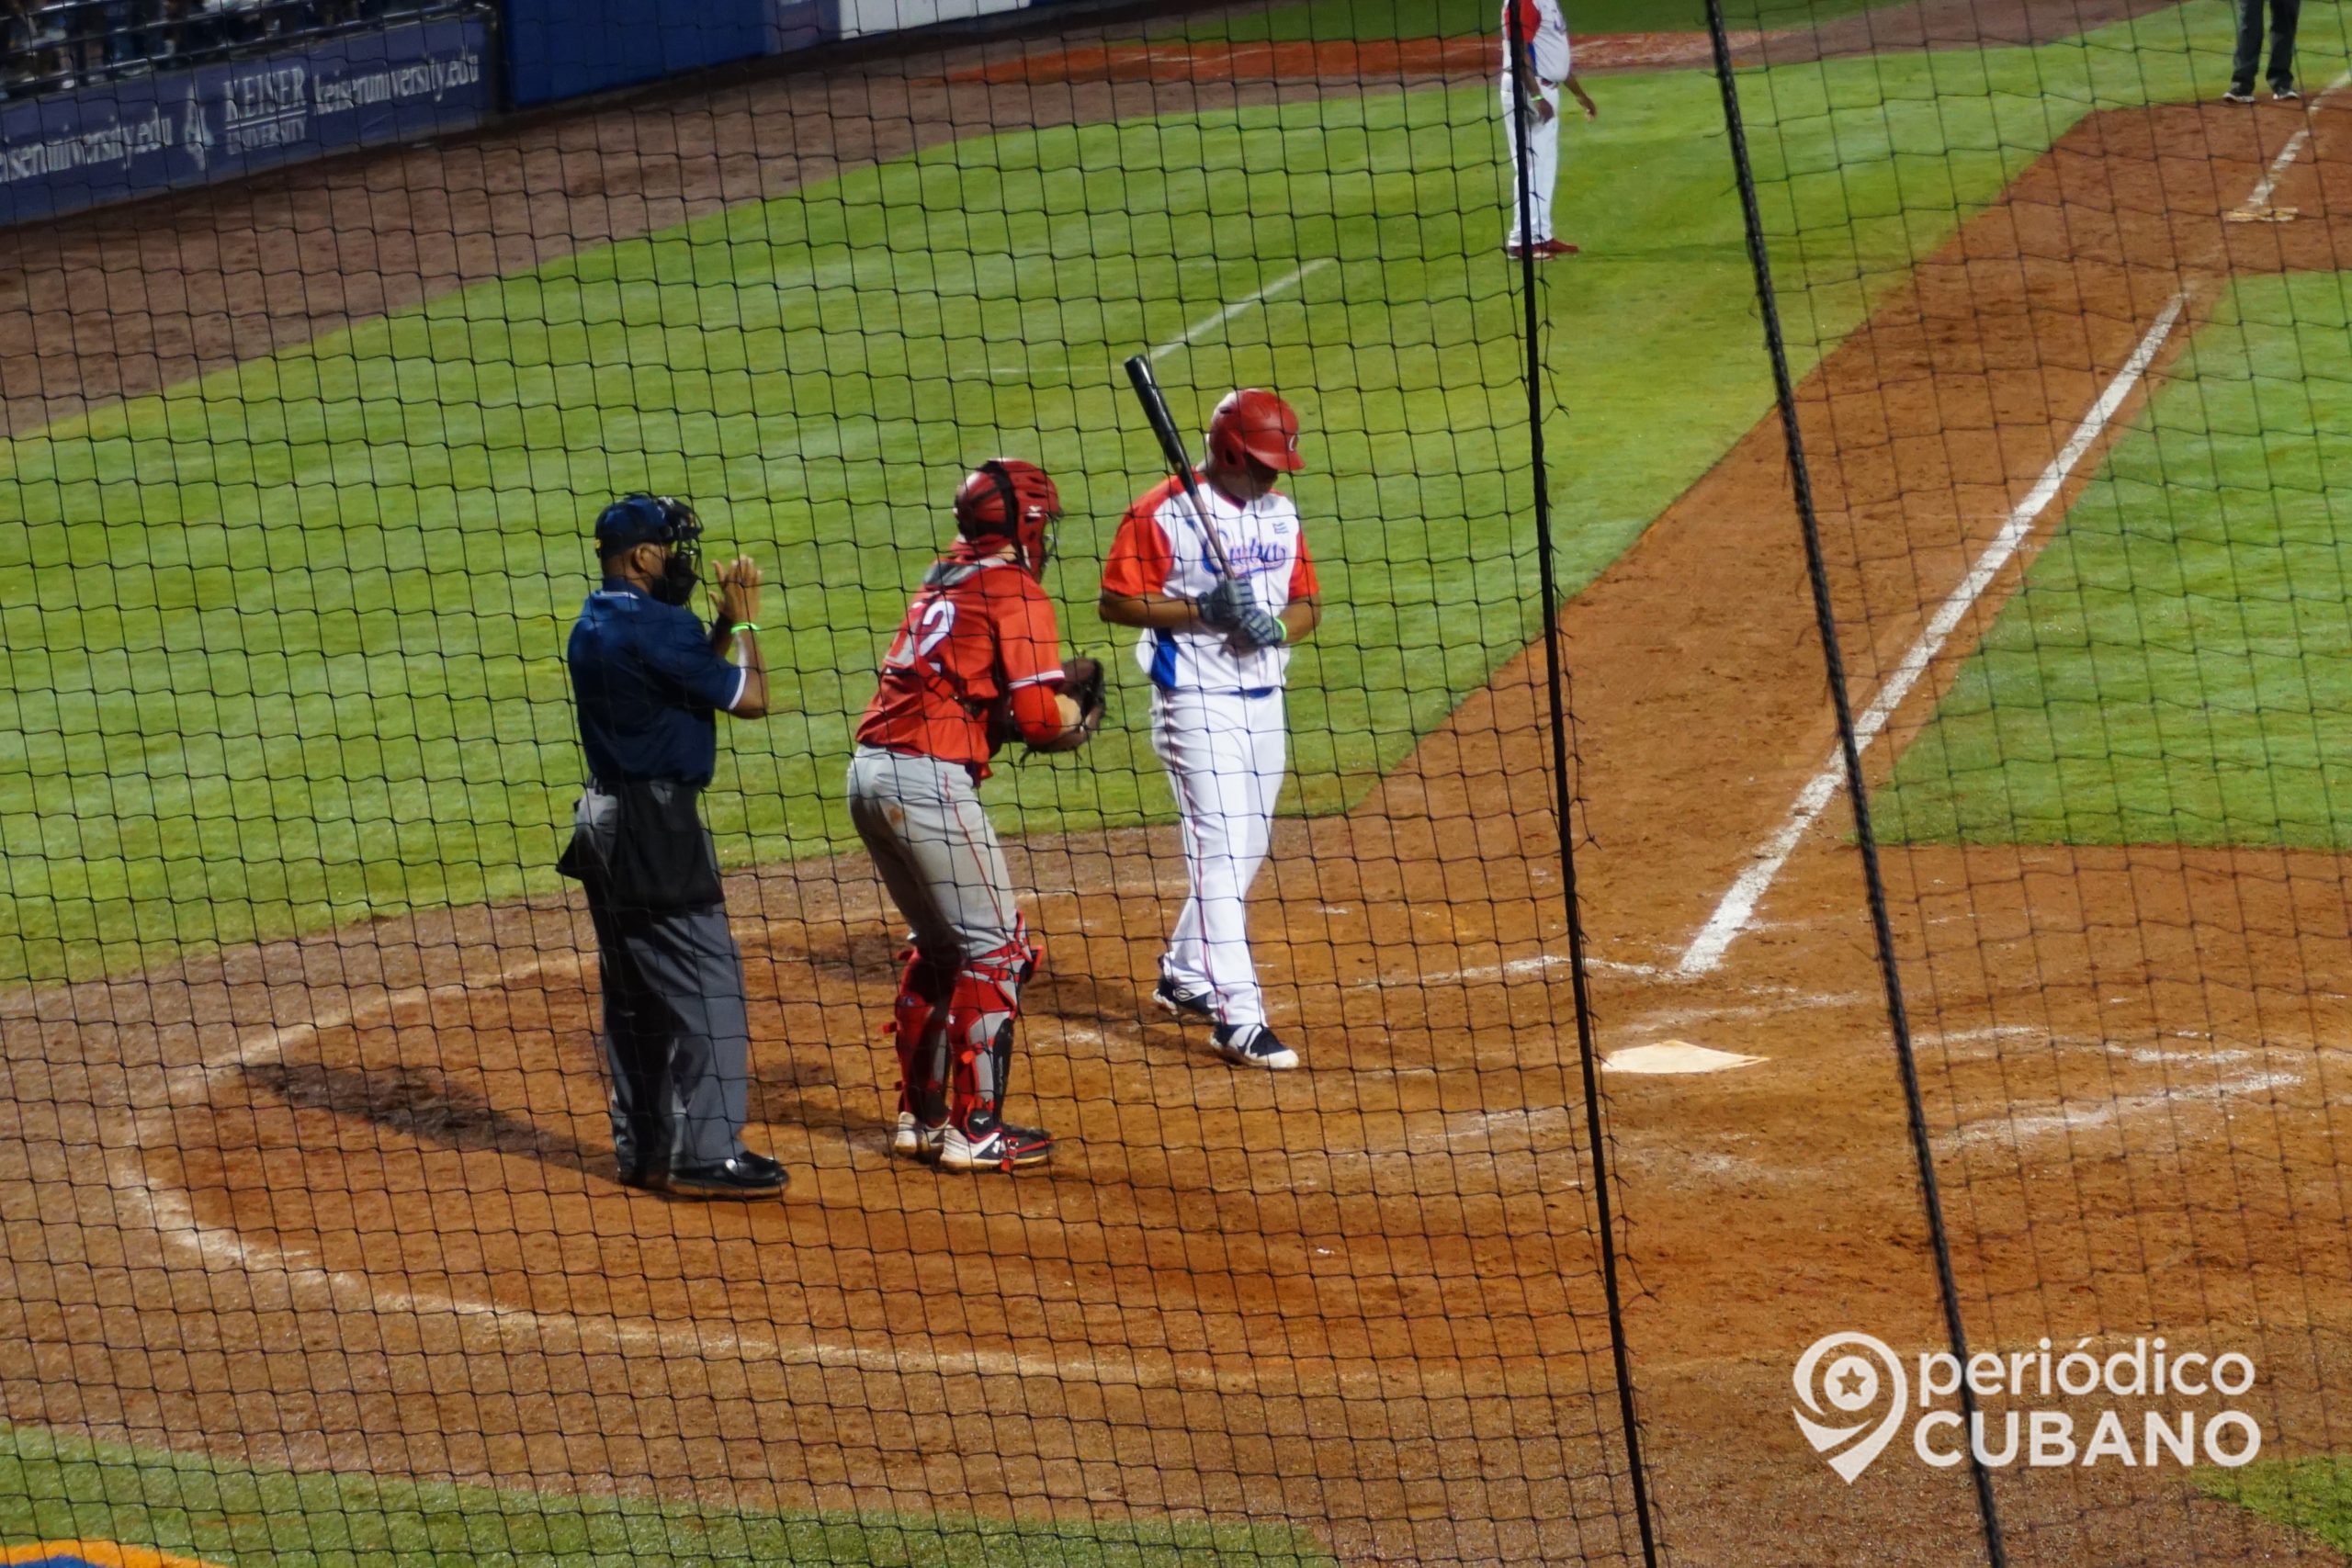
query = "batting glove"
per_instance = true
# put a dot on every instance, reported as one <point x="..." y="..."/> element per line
<point x="1224" y="606"/>
<point x="1261" y="629"/>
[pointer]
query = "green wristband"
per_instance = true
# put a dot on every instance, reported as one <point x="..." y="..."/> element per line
<point x="743" y="626"/>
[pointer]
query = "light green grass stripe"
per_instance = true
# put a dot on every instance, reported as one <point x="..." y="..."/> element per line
<point x="54" y="1487"/>
<point x="2177" y="665"/>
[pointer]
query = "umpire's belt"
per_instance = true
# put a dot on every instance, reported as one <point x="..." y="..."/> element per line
<point x="640" y="844"/>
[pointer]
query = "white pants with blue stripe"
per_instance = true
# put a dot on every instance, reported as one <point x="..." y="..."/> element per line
<point x="1225" y="753"/>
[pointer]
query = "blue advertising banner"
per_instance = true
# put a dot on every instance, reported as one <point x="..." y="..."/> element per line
<point x="103" y="143"/>
<point x="563" y="48"/>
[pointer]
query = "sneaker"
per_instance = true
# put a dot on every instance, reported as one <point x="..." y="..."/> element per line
<point x="2237" y="96"/>
<point x="1253" y="1045"/>
<point x="911" y="1140"/>
<point x="1183" y="1003"/>
<point x="1002" y="1147"/>
<point x="2285" y="96"/>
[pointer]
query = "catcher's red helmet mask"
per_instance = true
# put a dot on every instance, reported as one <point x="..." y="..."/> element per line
<point x="1005" y="498"/>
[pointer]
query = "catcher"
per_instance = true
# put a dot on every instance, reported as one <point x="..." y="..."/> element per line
<point x="977" y="663"/>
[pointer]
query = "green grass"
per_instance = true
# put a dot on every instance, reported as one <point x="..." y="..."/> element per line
<point x="1454" y="18"/>
<point x="280" y="648"/>
<point x="58" y="1487"/>
<point x="2177" y="666"/>
<point x="2314" y="1496"/>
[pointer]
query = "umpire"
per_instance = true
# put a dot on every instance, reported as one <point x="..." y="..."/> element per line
<point x="649" y="680"/>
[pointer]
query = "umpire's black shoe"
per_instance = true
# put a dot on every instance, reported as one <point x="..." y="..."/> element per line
<point x="645" y="1177"/>
<point x="746" y="1175"/>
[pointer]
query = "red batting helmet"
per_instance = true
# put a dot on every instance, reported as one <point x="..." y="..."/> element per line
<point x="1255" y="423"/>
<point x="1005" y="498"/>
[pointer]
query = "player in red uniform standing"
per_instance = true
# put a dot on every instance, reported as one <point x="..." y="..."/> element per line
<point x="977" y="661"/>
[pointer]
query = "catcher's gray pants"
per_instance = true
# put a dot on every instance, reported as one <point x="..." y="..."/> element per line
<point x="676" y="1032"/>
<point x="922" y="822"/>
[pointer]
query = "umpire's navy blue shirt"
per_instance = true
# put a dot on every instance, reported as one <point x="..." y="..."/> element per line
<point x="648" y="684"/>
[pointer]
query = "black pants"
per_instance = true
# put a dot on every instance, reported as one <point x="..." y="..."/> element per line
<point x="2284" y="15"/>
<point x="676" y="1033"/>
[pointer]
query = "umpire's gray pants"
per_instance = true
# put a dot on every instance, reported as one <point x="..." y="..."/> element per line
<point x="922" y="822"/>
<point x="676" y="1033"/>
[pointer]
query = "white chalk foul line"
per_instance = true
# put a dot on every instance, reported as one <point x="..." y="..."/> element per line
<point x="2260" y="195"/>
<point x="1207" y="324"/>
<point x="1739" y="903"/>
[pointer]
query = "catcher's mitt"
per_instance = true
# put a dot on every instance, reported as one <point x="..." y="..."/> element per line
<point x="1082" y="682"/>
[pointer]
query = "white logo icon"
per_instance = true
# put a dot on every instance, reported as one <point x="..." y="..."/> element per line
<point x="1861" y="1369"/>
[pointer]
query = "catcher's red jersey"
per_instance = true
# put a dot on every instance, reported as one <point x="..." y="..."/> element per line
<point x="981" y="631"/>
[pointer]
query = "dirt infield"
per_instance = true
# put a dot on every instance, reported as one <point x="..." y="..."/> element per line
<point x="349" y="1200"/>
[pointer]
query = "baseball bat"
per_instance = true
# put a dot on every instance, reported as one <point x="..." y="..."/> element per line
<point x="1155" y="409"/>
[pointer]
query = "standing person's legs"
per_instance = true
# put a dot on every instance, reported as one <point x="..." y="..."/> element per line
<point x="637" y="1050"/>
<point x="1543" y="165"/>
<point x="2249" y="48"/>
<point x="2285" y="16"/>
<point x="922" y="822"/>
<point x="1206" y="742"/>
<point x="695" y="975"/>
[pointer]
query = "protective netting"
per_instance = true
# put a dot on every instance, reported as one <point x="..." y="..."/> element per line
<point x="316" y="1247"/>
<point x="2068" y="339"/>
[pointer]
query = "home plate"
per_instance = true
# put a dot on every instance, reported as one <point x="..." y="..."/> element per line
<point x="1675" y="1056"/>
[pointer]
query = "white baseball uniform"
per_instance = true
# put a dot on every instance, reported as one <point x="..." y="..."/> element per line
<point x="1544" y="27"/>
<point x="1217" y="716"/>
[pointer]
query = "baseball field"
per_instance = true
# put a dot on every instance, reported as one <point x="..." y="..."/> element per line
<point x="314" y="1249"/>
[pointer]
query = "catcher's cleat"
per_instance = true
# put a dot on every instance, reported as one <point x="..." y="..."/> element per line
<point x="1253" y="1045"/>
<point x="911" y="1140"/>
<point x="1000" y="1146"/>
<point x="1183" y="1003"/>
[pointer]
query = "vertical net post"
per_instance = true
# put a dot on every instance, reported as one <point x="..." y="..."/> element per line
<point x="1564" y="801"/>
<point x="1874" y="887"/>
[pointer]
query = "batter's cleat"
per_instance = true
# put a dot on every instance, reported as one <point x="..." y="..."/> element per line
<point x="745" y="1176"/>
<point x="911" y="1140"/>
<point x="1001" y="1147"/>
<point x="1253" y="1045"/>
<point x="2238" y="95"/>
<point x="1183" y="1003"/>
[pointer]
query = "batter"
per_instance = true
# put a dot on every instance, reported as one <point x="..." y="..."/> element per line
<point x="1217" y="651"/>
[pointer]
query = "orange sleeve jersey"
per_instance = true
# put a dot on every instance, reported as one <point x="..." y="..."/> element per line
<point x="981" y="632"/>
